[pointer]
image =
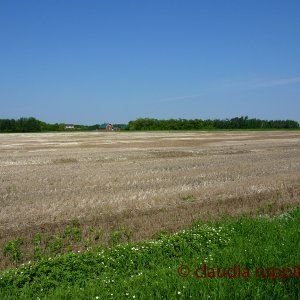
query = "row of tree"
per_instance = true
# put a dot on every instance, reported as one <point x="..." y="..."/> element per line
<point x="34" y="125"/>
<point x="198" y="124"/>
<point x="20" y="125"/>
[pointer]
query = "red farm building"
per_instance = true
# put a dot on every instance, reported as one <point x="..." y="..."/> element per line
<point x="106" y="126"/>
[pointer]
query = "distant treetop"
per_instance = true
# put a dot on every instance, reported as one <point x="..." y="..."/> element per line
<point x="197" y="124"/>
<point x="33" y="125"/>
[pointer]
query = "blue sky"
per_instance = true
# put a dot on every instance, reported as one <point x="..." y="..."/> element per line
<point x="91" y="61"/>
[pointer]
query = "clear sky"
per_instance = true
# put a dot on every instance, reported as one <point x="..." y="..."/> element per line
<point x="90" y="61"/>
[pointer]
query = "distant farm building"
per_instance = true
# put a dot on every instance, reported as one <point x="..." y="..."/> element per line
<point x="106" y="126"/>
<point x="111" y="127"/>
<point x="69" y="126"/>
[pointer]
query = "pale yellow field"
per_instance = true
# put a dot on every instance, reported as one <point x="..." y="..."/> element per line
<point x="146" y="181"/>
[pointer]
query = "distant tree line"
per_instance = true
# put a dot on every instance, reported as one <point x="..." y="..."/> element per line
<point x="198" y="124"/>
<point x="20" y="125"/>
<point x="34" y="125"/>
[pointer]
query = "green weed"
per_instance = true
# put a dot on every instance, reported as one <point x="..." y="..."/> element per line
<point x="150" y="270"/>
<point x="13" y="249"/>
<point x="73" y="231"/>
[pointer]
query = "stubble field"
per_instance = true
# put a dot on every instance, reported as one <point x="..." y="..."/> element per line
<point x="142" y="181"/>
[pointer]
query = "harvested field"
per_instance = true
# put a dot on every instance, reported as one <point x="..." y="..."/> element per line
<point x="144" y="181"/>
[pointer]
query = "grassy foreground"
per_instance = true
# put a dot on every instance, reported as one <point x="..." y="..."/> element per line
<point x="257" y="258"/>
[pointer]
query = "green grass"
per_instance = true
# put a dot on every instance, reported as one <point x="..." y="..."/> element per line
<point x="149" y="270"/>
